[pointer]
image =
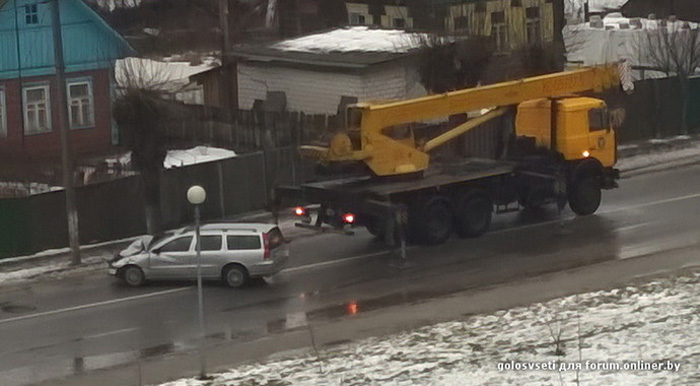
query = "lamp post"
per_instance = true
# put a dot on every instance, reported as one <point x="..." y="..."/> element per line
<point x="196" y="195"/>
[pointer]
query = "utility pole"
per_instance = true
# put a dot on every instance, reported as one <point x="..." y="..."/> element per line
<point x="225" y="84"/>
<point x="66" y="162"/>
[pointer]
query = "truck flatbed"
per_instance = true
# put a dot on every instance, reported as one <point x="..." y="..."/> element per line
<point x="442" y="175"/>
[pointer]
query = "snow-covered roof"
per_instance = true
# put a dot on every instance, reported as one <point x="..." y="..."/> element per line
<point x="342" y="48"/>
<point x="153" y="74"/>
<point x="196" y="155"/>
<point x="354" y="39"/>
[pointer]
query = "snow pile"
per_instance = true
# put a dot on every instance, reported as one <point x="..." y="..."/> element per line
<point x="196" y="155"/>
<point x="354" y="39"/>
<point x="629" y="328"/>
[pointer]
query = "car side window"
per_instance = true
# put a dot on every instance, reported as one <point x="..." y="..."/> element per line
<point x="235" y="243"/>
<point x="181" y="244"/>
<point x="211" y="243"/>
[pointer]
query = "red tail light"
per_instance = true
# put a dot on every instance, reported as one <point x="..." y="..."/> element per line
<point x="300" y="211"/>
<point x="266" y="245"/>
<point x="349" y="218"/>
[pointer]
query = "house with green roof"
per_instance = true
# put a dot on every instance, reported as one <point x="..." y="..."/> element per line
<point x="28" y="90"/>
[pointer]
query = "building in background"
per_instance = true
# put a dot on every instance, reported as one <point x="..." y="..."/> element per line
<point x="29" y="115"/>
<point x="318" y="73"/>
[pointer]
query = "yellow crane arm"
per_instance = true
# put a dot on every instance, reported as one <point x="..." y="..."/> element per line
<point x="388" y="156"/>
<point x="559" y="84"/>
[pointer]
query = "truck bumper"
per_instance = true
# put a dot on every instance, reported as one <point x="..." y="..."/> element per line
<point x="610" y="177"/>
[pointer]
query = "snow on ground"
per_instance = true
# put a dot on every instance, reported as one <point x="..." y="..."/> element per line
<point x="195" y="155"/>
<point x="659" y="158"/>
<point x="633" y="328"/>
<point x="354" y="39"/>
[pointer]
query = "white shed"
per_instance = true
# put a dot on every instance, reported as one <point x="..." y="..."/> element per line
<point x="314" y="72"/>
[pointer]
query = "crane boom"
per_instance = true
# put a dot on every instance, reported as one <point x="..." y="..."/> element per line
<point x="554" y="85"/>
<point x="388" y="156"/>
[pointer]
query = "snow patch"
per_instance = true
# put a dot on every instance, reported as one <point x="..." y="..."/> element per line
<point x="195" y="155"/>
<point x="654" y="322"/>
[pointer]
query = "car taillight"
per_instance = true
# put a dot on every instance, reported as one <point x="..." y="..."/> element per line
<point x="300" y="211"/>
<point x="349" y="218"/>
<point x="266" y="245"/>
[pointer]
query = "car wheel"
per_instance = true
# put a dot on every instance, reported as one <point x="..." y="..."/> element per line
<point x="235" y="276"/>
<point x="134" y="276"/>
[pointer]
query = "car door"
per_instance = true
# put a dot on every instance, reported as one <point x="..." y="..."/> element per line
<point x="246" y="250"/>
<point x="212" y="255"/>
<point x="174" y="259"/>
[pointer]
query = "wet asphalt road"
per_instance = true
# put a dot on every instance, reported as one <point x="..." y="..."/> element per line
<point x="55" y="328"/>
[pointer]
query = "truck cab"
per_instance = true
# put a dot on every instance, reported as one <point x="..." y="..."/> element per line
<point x="583" y="128"/>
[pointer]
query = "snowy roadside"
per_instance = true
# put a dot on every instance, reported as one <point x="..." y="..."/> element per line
<point x="55" y="263"/>
<point x="635" y="158"/>
<point x="632" y="335"/>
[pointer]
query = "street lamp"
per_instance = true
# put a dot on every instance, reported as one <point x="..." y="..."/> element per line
<point x="196" y="196"/>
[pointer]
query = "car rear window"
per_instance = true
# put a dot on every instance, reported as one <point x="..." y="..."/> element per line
<point x="242" y="242"/>
<point x="211" y="243"/>
<point x="275" y="238"/>
<point x="181" y="244"/>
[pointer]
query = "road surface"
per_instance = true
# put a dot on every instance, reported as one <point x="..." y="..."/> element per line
<point x="56" y="328"/>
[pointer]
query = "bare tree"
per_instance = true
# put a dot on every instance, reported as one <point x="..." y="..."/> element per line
<point x="141" y="114"/>
<point x="450" y="63"/>
<point x="672" y="47"/>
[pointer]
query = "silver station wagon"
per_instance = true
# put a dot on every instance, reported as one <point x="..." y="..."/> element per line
<point x="231" y="252"/>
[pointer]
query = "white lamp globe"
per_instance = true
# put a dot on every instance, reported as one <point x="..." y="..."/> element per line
<point x="196" y="195"/>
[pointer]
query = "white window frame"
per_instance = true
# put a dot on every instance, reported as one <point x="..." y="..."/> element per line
<point x="533" y="27"/>
<point x="3" y="113"/>
<point x="47" y="101"/>
<point x="70" y="100"/>
<point x="499" y="34"/>
<point x="31" y="14"/>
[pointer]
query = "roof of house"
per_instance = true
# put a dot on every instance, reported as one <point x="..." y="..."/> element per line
<point x="89" y="42"/>
<point x="350" y="47"/>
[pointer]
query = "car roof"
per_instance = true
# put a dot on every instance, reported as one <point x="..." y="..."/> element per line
<point x="232" y="226"/>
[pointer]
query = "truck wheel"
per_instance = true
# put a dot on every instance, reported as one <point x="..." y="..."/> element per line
<point x="473" y="216"/>
<point x="376" y="227"/>
<point x="432" y="224"/>
<point x="584" y="196"/>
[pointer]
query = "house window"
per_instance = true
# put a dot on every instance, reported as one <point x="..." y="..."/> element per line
<point x="31" y="14"/>
<point x="499" y="31"/>
<point x="396" y="17"/>
<point x="461" y="23"/>
<point x="533" y="25"/>
<point x="80" y="104"/>
<point x="358" y="14"/>
<point x="3" y="114"/>
<point x="37" y="109"/>
<point x="357" y="19"/>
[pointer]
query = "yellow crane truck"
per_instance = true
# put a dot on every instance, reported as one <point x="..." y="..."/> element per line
<point x="563" y="149"/>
